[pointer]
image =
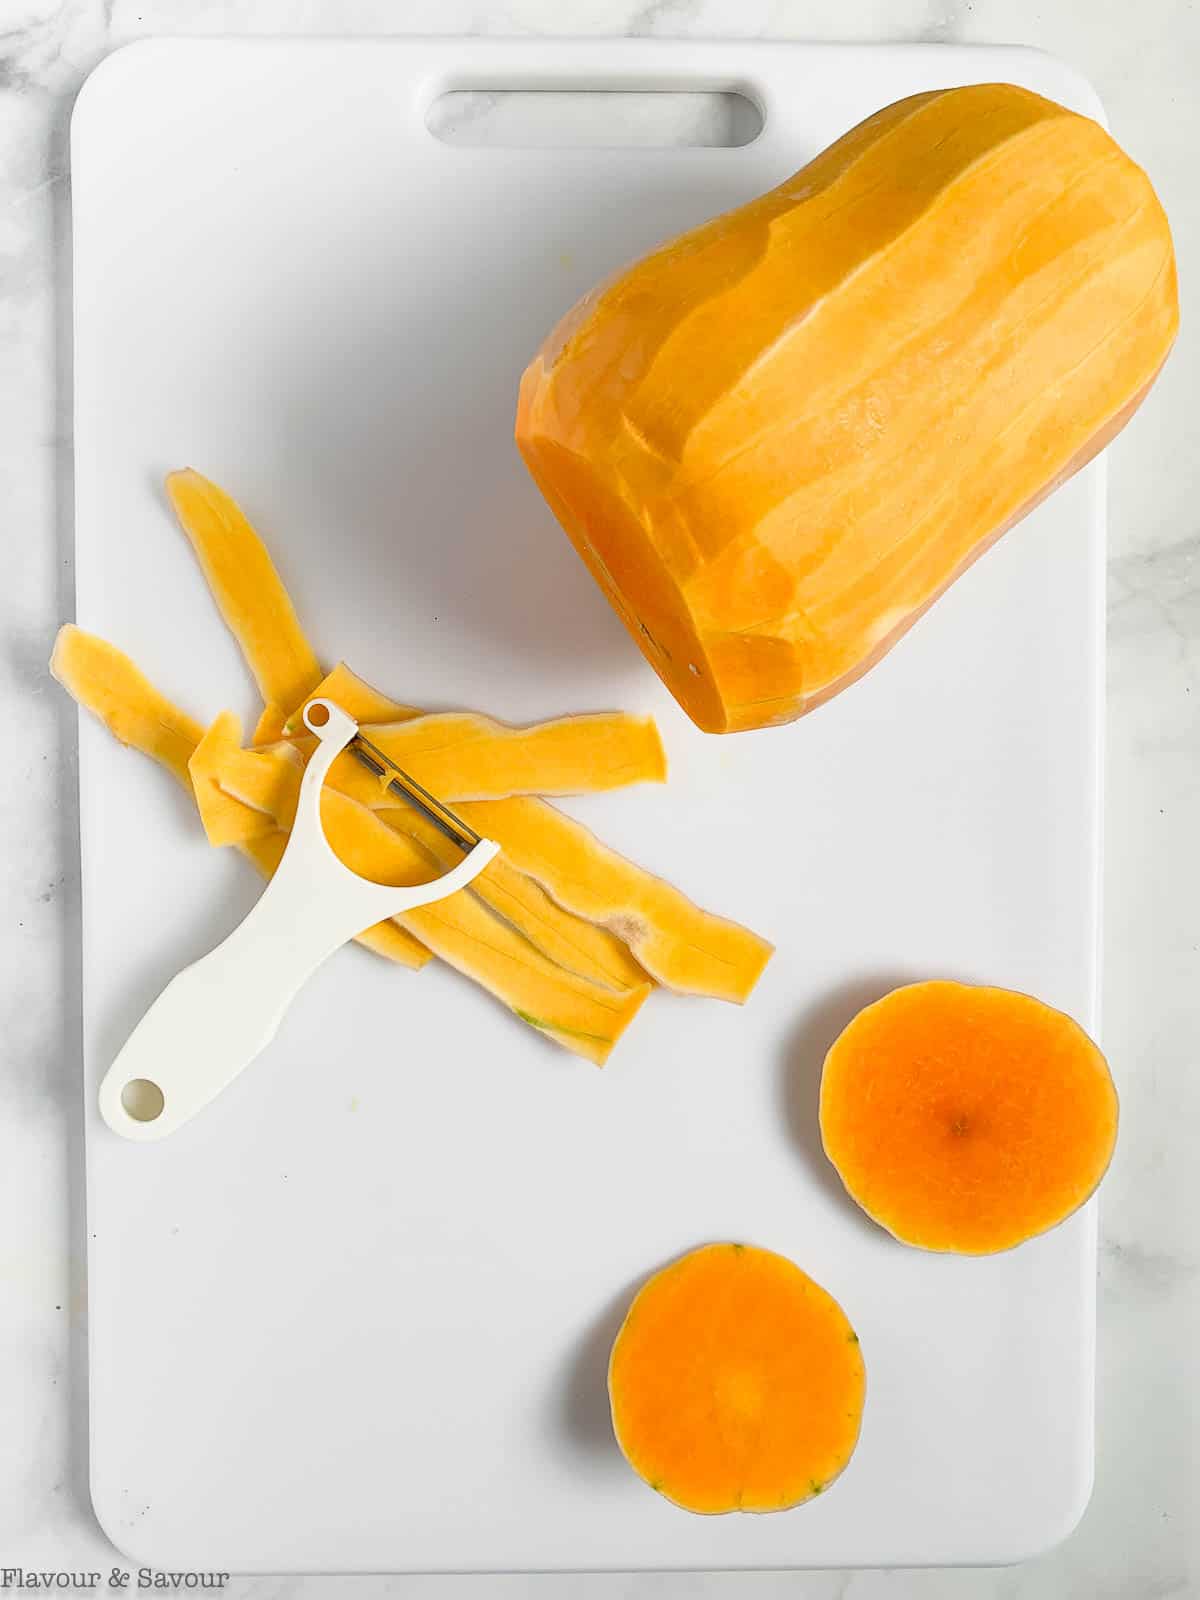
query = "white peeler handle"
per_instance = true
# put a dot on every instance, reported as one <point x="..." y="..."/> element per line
<point x="218" y="1014"/>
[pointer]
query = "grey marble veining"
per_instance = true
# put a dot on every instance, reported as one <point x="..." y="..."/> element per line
<point x="1140" y="1537"/>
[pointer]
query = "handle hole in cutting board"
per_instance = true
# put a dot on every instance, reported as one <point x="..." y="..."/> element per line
<point x="657" y="119"/>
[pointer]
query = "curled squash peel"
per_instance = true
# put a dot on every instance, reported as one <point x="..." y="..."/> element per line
<point x="965" y="1118"/>
<point x="736" y="1382"/>
<point x="777" y="439"/>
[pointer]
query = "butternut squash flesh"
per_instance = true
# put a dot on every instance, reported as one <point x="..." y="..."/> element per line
<point x="736" y="1382"/>
<point x="965" y="1118"/>
<point x="778" y="438"/>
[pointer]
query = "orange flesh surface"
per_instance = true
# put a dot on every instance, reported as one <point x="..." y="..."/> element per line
<point x="778" y="438"/>
<point x="965" y="1118"/>
<point x="736" y="1382"/>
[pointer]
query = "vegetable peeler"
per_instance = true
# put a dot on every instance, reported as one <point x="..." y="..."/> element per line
<point x="216" y="1016"/>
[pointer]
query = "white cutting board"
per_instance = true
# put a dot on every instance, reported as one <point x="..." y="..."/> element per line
<point x="356" y="1316"/>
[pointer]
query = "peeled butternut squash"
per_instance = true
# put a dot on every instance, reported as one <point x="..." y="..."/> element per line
<point x="776" y="440"/>
<point x="736" y="1382"/>
<point x="967" y="1119"/>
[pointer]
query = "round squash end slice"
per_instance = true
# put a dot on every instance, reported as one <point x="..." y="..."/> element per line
<point x="967" y="1119"/>
<point x="736" y="1383"/>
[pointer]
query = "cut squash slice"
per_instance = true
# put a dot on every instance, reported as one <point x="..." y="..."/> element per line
<point x="965" y="1118"/>
<point x="247" y="589"/>
<point x="105" y="681"/>
<point x="684" y="948"/>
<point x="736" y="1382"/>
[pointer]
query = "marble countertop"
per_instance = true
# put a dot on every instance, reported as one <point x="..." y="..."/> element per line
<point x="1141" y="1534"/>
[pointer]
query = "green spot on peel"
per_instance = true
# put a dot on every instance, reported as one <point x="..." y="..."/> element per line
<point x="555" y="1027"/>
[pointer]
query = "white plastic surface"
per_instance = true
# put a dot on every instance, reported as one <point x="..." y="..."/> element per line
<point x="356" y="1316"/>
<point x="218" y="1014"/>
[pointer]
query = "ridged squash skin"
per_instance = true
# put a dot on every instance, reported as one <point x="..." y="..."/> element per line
<point x="777" y="439"/>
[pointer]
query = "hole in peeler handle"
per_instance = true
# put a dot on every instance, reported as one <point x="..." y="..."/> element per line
<point x="142" y="1100"/>
<point x="316" y="715"/>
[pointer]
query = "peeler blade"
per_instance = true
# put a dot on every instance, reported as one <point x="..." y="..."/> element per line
<point x="401" y="783"/>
